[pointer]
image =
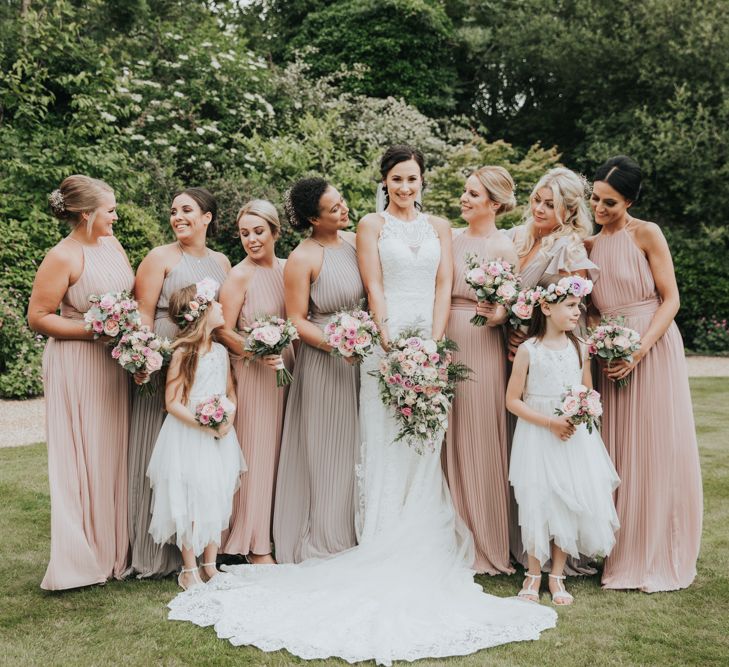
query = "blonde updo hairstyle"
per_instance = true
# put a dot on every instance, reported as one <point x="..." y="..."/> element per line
<point x="78" y="194"/>
<point x="499" y="186"/>
<point x="264" y="210"/>
<point x="569" y="194"/>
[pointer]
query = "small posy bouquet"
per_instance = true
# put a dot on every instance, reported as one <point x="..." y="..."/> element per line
<point x="352" y="334"/>
<point x="612" y="341"/>
<point x="417" y="379"/>
<point x="581" y="405"/>
<point x="520" y="311"/>
<point x="214" y="411"/>
<point x="141" y="350"/>
<point x="494" y="281"/>
<point x="271" y="334"/>
<point x="112" y="314"/>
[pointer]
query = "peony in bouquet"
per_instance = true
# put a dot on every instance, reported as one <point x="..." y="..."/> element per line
<point x="352" y="334"/>
<point x="520" y="311"/>
<point x="581" y="405"/>
<point x="271" y="334"/>
<point x="494" y="281"/>
<point x="112" y="314"/>
<point x="141" y="350"/>
<point x="612" y="341"/>
<point x="214" y="411"/>
<point x="417" y="379"/>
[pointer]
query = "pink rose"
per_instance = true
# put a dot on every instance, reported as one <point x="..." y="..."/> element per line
<point x="406" y="411"/>
<point x="204" y="419"/>
<point x="621" y="342"/>
<point x="571" y="406"/>
<point x="107" y="302"/>
<point x="219" y="414"/>
<point x="154" y="362"/>
<point x="270" y="335"/>
<point x="522" y="310"/>
<point x="476" y="276"/>
<point x="207" y="409"/>
<point x="116" y="352"/>
<point x="111" y="328"/>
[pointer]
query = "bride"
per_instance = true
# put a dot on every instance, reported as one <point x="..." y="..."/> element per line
<point x="406" y="591"/>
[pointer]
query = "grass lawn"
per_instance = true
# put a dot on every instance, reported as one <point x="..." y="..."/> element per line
<point x="124" y="623"/>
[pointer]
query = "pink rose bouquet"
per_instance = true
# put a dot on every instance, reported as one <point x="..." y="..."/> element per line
<point x="612" y="341"/>
<point x="581" y="405"/>
<point x="494" y="281"/>
<point x="214" y="411"/>
<point x="112" y="315"/>
<point x="141" y="350"/>
<point x="352" y="334"/>
<point x="520" y="311"/>
<point x="417" y="379"/>
<point x="271" y="335"/>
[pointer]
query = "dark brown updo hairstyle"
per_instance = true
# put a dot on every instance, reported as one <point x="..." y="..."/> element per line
<point x="78" y="194"/>
<point x="622" y="174"/>
<point x="207" y="203"/>
<point x="395" y="155"/>
<point x="301" y="202"/>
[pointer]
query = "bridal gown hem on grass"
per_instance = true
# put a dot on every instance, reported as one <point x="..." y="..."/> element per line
<point x="407" y="591"/>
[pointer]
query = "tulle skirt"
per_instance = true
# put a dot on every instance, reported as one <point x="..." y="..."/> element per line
<point x="564" y="489"/>
<point x="193" y="477"/>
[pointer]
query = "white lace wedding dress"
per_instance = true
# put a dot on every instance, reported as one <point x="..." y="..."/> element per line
<point x="407" y="590"/>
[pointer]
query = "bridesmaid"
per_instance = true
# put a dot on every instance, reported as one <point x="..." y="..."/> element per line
<point x="648" y="426"/>
<point x="87" y="400"/>
<point x="315" y="489"/>
<point x="162" y="272"/>
<point x="476" y="442"/>
<point x="255" y="287"/>
<point x="550" y="244"/>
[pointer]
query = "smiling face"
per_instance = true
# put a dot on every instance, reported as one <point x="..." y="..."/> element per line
<point x="187" y="219"/>
<point x="333" y="211"/>
<point x="475" y="201"/>
<point x="544" y="212"/>
<point x="404" y="183"/>
<point x="564" y="314"/>
<point x="608" y="205"/>
<point x="256" y="237"/>
<point x="104" y="216"/>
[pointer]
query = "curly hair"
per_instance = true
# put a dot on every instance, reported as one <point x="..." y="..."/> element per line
<point x="301" y="201"/>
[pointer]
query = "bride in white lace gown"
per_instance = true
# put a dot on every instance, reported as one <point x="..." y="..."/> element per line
<point x="407" y="590"/>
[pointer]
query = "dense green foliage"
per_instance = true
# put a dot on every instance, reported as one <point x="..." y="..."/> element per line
<point x="245" y="98"/>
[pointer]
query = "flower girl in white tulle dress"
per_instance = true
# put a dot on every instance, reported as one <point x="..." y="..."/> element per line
<point x="196" y="463"/>
<point x="562" y="475"/>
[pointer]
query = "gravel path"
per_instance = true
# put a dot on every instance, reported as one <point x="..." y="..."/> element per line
<point x="22" y="422"/>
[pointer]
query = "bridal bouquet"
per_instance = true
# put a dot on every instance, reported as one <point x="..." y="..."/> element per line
<point x="520" y="311"/>
<point x="214" y="411"/>
<point x="494" y="281"/>
<point x="141" y="350"/>
<point x="271" y="334"/>
<point x="352" y="334"/>
<point x="417" y="379"/>
<point x="581" y="405"/>
<point x="112" y="314"/>
<point x="612" y="341"/>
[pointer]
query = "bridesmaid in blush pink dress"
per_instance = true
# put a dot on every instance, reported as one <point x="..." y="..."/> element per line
<point x="475" y="455"/>
<point x="255" y="287"/>
<point x="87" y="392"/>
<point x="648" y="426"/>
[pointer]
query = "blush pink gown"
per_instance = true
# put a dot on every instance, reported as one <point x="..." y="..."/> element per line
<point x="648" y="428"/>
<point x="87" y="422"/>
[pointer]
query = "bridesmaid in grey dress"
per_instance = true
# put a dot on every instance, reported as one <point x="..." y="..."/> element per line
<point x="162" y="272"/>
<point x="315" y="489"/>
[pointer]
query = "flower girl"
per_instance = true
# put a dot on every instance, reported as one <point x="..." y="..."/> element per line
<point x="562" y="475"/>
<point x="196" y="463"/>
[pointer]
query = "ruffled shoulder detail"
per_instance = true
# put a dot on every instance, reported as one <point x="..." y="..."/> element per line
<point x="569" y="256"/>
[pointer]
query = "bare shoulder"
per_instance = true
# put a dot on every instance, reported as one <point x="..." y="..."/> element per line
<point x="65" y="253"/>
<point x="349" y="237"/>
<point x="242" y="272"/>
<point x="222" y="259"/>
<point x="304" y="254"/>
<point x="646" y="231"/>
<point x="370" y="223"/>
<point x="441" y="225"/>
<point x="589" y="242"/>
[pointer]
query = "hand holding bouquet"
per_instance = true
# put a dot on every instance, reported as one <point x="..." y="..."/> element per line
<point x="142" y="351"/>
<point x="214" y="411"/>
<point x="581" y="406"/>
<point x="417" y="379"/>
<point x="352" y="334"/>
<point x="612" y="342"/>
<point x="494" y="281"/>
<point x="112" y="315"/>
<point x="520" y="311"/>
<point x="271" y="334"/>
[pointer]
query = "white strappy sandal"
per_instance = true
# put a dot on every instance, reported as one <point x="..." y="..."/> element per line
<point x="214" y="565"/>
<point x="196" y="581"/>
<point x="561" y="597"/>
<point x="529" y="593"/>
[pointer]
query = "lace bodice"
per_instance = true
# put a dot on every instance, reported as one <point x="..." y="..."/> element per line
<point x="211" y="376"/>
<point x="409" y="255"/>
<point x="551" y="371"/>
